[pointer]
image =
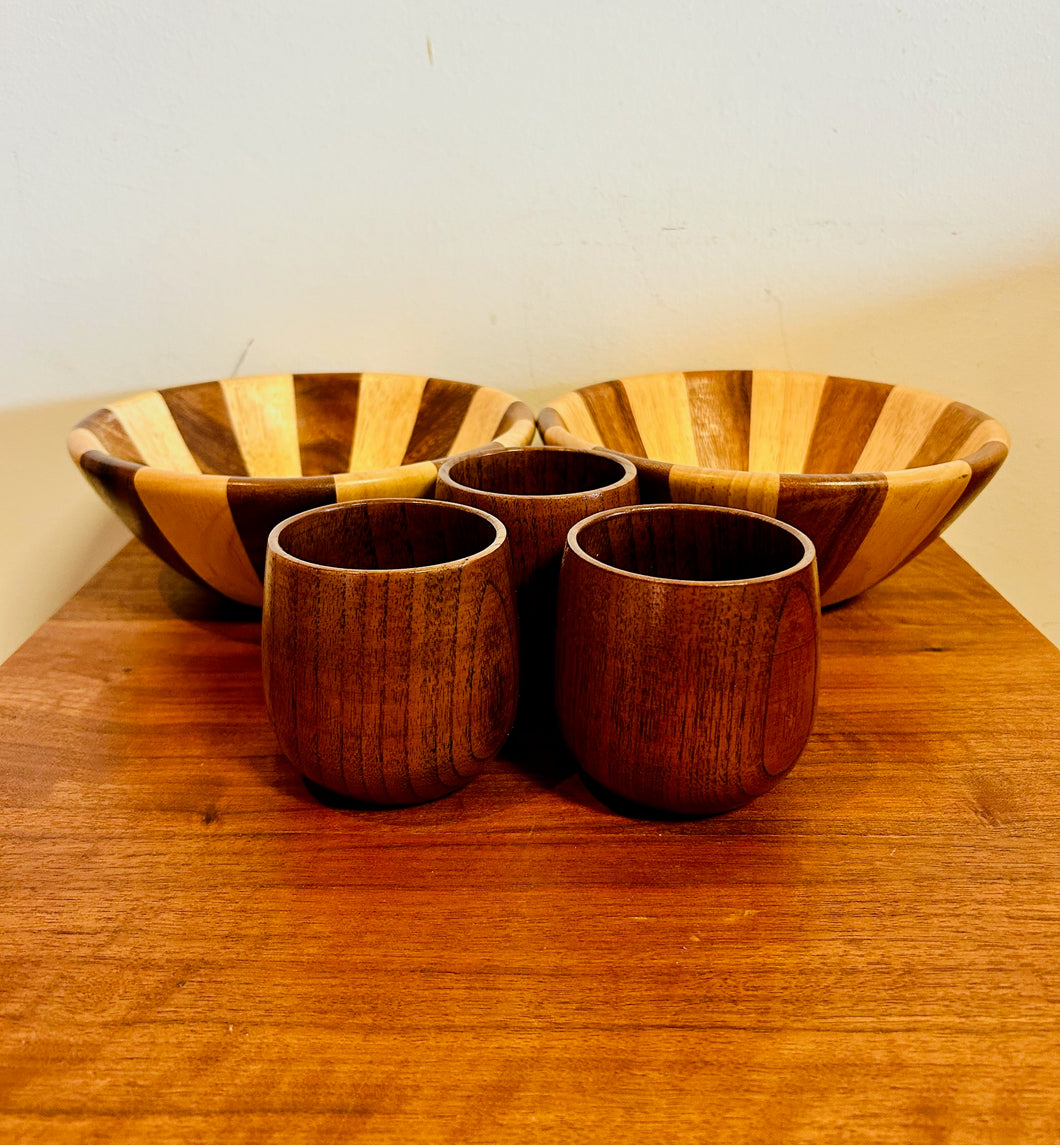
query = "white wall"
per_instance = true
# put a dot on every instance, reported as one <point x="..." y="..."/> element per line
<point x="536" y="197"/>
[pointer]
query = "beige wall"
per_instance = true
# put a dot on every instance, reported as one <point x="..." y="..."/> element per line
<point x="57" y="531"/>
<point x="533" y="197"/>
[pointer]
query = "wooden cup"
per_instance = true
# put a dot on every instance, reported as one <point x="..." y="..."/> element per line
<point x="389" y="646"/>
<point x="687" y="651"/>
<point x="539" y="493"/>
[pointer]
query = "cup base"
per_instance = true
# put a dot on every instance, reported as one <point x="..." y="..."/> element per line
<point x="340" y="801"/>
<point x="632" y="808"/>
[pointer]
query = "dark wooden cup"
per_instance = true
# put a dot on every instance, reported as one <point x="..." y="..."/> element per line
<point x="390" y="646"/>
<point x="687" y="651"/>
<point x="539" y="493"/>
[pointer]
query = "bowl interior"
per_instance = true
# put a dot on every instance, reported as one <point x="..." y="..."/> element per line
<point x="772" y="421"/>
<point x="309" y="425"/>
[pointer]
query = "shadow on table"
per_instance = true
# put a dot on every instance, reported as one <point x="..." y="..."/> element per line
<point x="199" y="604"/>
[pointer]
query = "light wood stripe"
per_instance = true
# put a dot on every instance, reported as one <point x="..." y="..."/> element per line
<point x="921" y="495"/>
<point x="756" y="492"/>
<point x="80" y="440"/>
<point x="577" y="418"/>
<point x="192" y="513"/>
<point x="784" y="409"/>
<point x="659" y="403"/>
<point x="557" y="435"/>
<point x="386" y="416"/>
<point x="401" y="481"/>
<point x="150" y="427"/>
<point x="520" y="432"/>
<point x="983" y="434"/>
<point x="480" y="422"/>
<point x="265" y="424"/>
<point x="905" y="421"/>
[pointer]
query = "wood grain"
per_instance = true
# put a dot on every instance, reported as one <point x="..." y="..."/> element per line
<point x="326" y="407"/>
<point x="784" y="410"/>
<point x="200" y="412"/>
<point x="719" y="406"/>
<point x="538" y="492"/>
<point x="195" y="949"/>
<point x="686" y="653"/>
<point x="442" y="411"/>
<point x="389" y="646"/>
<point x="147" y="422"/>
<point x="387" y="414"/>
<point x="193" y="513"/>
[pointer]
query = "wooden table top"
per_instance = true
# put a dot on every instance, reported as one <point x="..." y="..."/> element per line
<point x="195" y="948"/>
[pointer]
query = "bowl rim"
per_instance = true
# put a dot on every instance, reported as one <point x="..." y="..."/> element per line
<point x="81" y="440"/>
<point x="988" y="456"/>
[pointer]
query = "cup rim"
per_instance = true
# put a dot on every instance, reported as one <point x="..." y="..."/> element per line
<point x="277" y="550"/>
<point x="629" y="473"/>
<point x="809" y="555"/>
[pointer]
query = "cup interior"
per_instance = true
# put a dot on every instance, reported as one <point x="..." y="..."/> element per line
<point x="692" y="543"/>
<point x="387" y="535"/>
<point x="537" y="472"/>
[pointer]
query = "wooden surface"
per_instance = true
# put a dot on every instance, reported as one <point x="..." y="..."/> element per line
<point x="194" y="949"/>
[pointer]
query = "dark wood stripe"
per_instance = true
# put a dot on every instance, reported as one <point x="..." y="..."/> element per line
<point x="326" y="405"/>
<point x="609" y="408"/>
<point x="848" y="412"/>
<point x="517" y="411"/>
<point x="114" y="481"/>
<point x="548" y="419"/>
<point x="835" y="513"/>
<point x="112" y="436"/>
<point x="653" y="477"/>
<point x="260" y="503"/>
<point x="442" y="411"/>
<point x="945" y="438"/>
<point x="203" y="420"/>
<point x="720" y="404"/>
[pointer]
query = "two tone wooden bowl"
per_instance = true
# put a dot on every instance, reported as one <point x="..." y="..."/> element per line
<point x="872" y="473"/>
<point x="201" y="473"/>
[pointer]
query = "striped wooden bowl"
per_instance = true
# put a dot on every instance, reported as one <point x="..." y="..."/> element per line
<point x="871" y="472"/>
<point x="201" y="473"/>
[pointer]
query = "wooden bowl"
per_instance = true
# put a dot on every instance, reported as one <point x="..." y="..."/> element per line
<point x="872" y="473"/>
<point x="201" y="473"/>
